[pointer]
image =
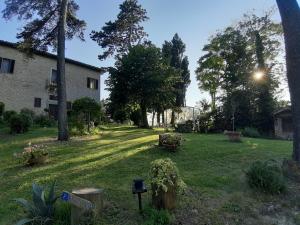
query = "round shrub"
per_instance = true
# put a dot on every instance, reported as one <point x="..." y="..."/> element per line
<point x="44" y="121"/>
<point x="8" y="114"/>
<point x="29" y="113"/>
<point x="19" y="123"/>
<point x="266" y="176"/>
<point x="251" y="132"/>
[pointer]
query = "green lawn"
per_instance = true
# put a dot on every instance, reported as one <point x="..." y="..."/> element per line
<point x="211" y="166"/>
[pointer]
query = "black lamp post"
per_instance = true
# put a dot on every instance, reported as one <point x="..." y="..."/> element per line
<point x="138" y="187"/>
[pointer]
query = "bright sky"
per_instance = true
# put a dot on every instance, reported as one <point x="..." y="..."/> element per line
<point x="194" y="20"/>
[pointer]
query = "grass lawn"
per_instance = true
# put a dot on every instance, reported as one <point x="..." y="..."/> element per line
<point x="212" y="167"/>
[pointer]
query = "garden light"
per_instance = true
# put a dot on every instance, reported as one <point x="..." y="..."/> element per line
<point x="138" y="187"/>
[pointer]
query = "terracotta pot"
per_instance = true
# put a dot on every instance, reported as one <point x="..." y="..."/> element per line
<point x="171" y="147"/>
<point x="38" y="160"/>
<point x="164" y="200"/>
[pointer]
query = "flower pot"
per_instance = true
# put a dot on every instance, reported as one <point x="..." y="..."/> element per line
<point x="37" y="160"/>
<point x="164" y="200"/>
<point x="171" y="147"/>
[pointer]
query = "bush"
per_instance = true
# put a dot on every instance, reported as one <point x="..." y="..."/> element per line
<point x="19" y="123"/>
<point x="156" y="217"/>
<point x="251" y="132"/>
<point x="29" y="113"/>
<point x="85" y="113"/>
<point x="2" y="108"/>
<point x="186" y="127"/>
<point x="8" y="114"/>
<point x="44" y="121"/>
<point x="266" y="177"/>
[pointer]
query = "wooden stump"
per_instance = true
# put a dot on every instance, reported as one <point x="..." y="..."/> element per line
<point x="81" y="216"/>
<point x="164" y="200"/>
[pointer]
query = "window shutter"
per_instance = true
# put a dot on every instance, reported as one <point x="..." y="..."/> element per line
<point x="0" y="63"/>
<point x="12" y="66"/>
<point x="97" y="83"/>
<point x="88" y="82"/>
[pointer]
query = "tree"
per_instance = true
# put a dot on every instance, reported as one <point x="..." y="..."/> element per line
<point x="143" y="77"/>
<point x="173" y="53"/>
<point x="209" y="74"/>
<point x="125" y="32"/>
<point x="290" y="13"/>
<point x="85" y="111"/>
<point x="50" y="23"/>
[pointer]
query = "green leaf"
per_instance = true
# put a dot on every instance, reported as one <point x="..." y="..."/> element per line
<point x="27" y="206"/>
<point x="50" y="199"/>
<point x="24" y="221"/>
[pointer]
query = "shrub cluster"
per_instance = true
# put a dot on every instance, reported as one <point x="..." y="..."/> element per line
<point x="251" y="132"/>
<point x="44" y="121"/>
<point x="86" y="113"/>
<point x="19" y="123"/>
<point x="266" y="176"/>
<point x="186" y="127"/>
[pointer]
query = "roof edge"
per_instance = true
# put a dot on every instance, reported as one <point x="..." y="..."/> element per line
<point x="53" y="56"/>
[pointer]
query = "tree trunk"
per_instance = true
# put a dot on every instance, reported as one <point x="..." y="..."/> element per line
<point x="63" y="133"/>
<point x="144" y="123"/>
<point x="290" y="14"/>
<point x="158" y="118"/>
<point x="173" y="118"/>
<point x="163" y="117"/>
<point x="153" y="116"/>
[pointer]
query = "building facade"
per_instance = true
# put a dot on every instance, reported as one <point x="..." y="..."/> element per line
<point x="31" y="82"/>
<point x="284" y="124"/>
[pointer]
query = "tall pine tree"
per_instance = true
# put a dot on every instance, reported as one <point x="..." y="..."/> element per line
<point x="119" y="36"/>
<point x="49" y="24"/>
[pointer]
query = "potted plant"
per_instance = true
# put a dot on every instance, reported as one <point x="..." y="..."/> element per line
<point x="33" y="155"/>
<point x="170" y="141"/>
<point x="165" y="183"/>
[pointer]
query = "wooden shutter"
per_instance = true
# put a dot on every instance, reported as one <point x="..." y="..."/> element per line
<point x="97" y="83"/>
<point x="88" y="82"/>
<point x="0" y="63"/>
<point x="12" y="66"/>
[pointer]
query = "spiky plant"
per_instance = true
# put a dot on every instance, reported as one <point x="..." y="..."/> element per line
<point x="41" y="209"/>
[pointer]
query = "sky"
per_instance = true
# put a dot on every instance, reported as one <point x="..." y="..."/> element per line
<point x="194" y="20"/>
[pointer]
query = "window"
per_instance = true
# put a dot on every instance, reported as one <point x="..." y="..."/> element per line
<point x="7" y="65"/>
<point x="92" y="83"/>
<point x="37" y="102"/>
<point x="53" y="97"/>
<point x="54" y="77"/>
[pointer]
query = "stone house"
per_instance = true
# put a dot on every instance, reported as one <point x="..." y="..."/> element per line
<point x="31" y="82"/>
<point x="284" y="123"/>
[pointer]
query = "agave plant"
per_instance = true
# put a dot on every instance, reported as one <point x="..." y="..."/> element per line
<point x="41" y="210"/>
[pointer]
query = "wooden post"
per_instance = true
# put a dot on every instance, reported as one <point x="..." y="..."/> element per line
<point x="95" y="197"/>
